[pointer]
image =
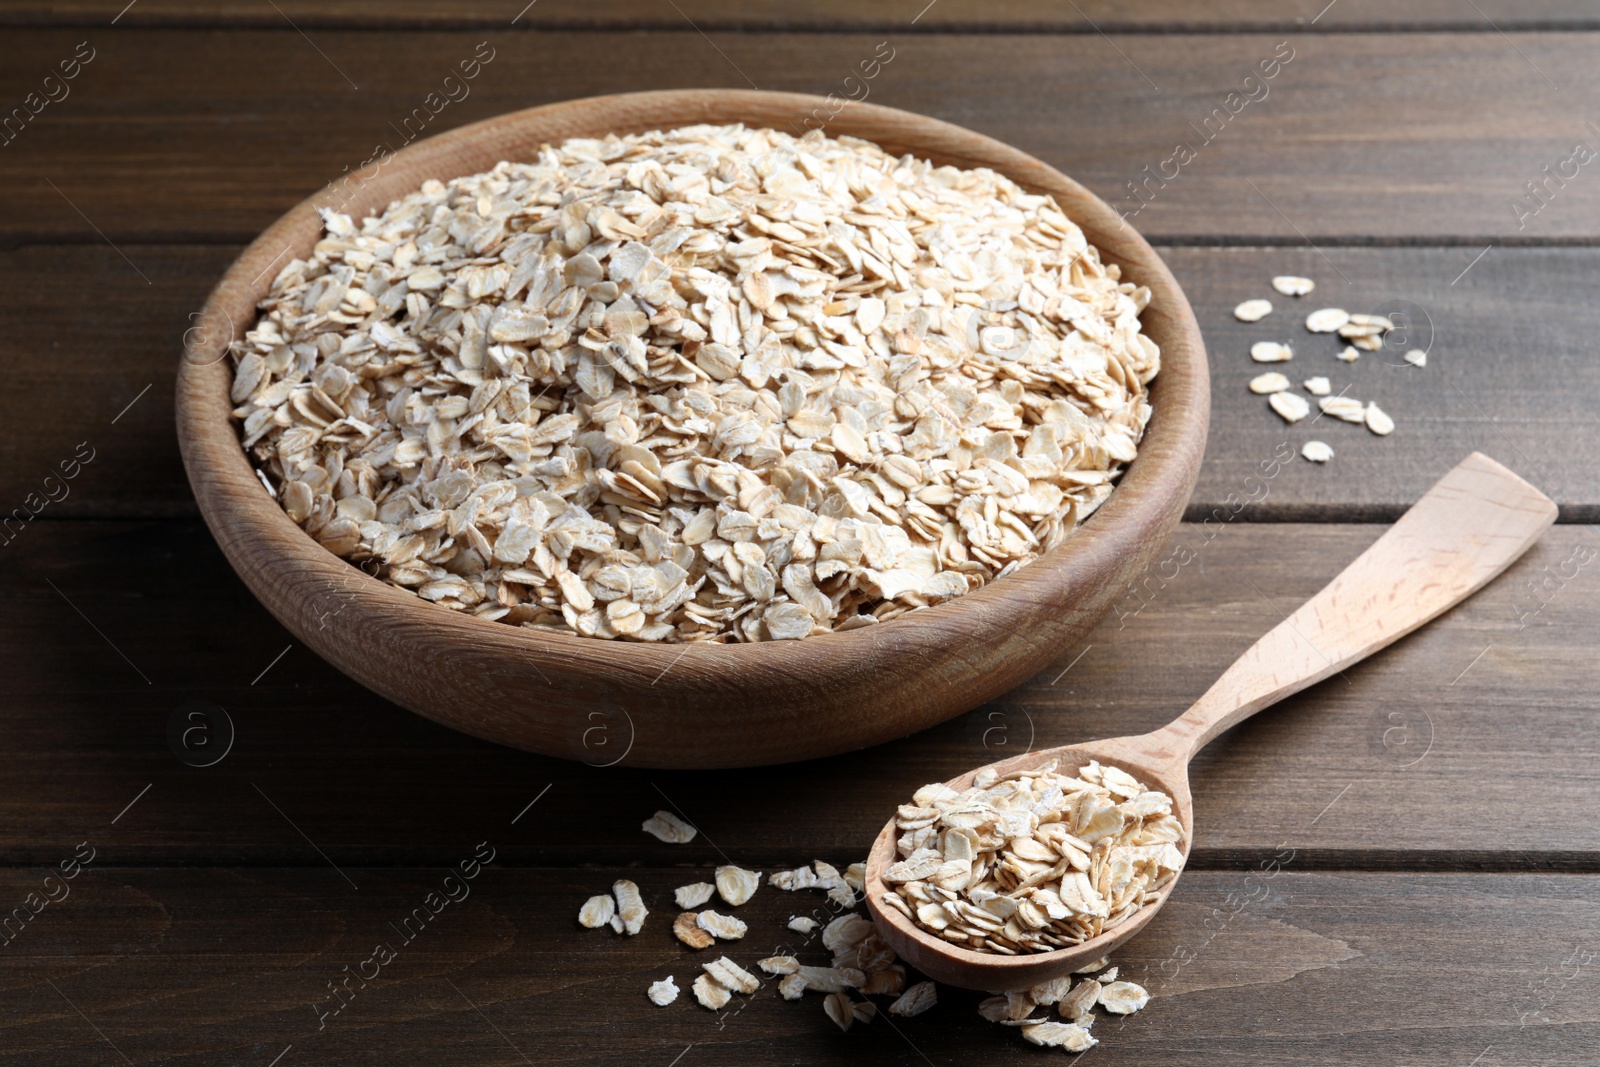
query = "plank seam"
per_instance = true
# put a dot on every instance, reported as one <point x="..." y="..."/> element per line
<point x="338" y="24"/>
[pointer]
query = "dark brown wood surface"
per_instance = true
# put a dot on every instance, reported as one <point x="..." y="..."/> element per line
<point x="1297" y="968"/>
<point x="1441" y="800"/>
<point x="1420" y="753"/>
<point x="928" y="16"/>
<point x="1412" y="151"/>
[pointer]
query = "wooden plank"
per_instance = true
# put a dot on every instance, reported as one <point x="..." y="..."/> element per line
<point x="77" y="374"/>
<point x="1484" y="324"/>
<point x="1514" y="307"/>
<point x="138" y="155"/>
<point x="1422" y="756"/>
<point x="234" y="965"/>
<point x="1157" y="16"/>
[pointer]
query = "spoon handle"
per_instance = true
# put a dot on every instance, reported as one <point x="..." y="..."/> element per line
<point x="1473" y="524"/>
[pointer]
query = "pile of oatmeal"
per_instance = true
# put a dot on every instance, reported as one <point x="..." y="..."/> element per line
<point x="1033" y="860"/>
<point x="707" y="384"/>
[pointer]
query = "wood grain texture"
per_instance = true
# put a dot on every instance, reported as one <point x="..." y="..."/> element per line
<point x="704" y="705"/>
<point x="1158" y="16"/>
<point x="1457" y="538"/>
<point x="1423" y="759"/>
<point x="1483" y="326"/>
<point x="1420" y="756"/>
<point x="1515" y="308"/>
<point x="214" y="156"/>
<point x="1464" y="532"/>
<point x="233" y="966"/>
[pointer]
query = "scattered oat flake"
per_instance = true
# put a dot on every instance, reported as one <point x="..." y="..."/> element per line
<point x="1378" y="421"/>
<point x="1291" y="285"/>
<point x="1123" y="998"/>
<point x="1317" y="386"/>
<point x="1327" y="320"/>
<point x="889" y="982"/>
<point x="1270" y="352"/>
<point x="691" y="896"/>
<point x="789" y="881"/>
<point x="1084" y="996"/>
<point x="792" y="986"/>
<point x="1069" y="1036"/>
<point x="630" y="906"/>
<point x="736" y="885"/>
<point x="686" y="928"/>
<point x="710" y="993"/>
<point x="916" y="1000"/>
<point x="668" y="827"/>
<point x="846" y="932"/>
<point x="732" y="976"/>
<point x="1097" y="965"/>
<point x="1317" y="451"/>
<point x="802" y="924"/>
<point x="1417" y="357"/>
<point x="837" y="1005"/>
<point x="855" y="876"/>
<point x="725" y="927"/>
<point x="830" y="979"/>
<point x="1108" y="975"/>
<point x="776" y="965"/>
<point x="1019" y="1006"/>
<point x="1292" y="406"/>
<point x="1047" y="993"/>
<point x="597" y="912"/>
<point x="995" y="1009"/>
<point x="1253" y="310"/>
<point x="1270" y="382"/>
<point x="664" y="992"/>
<point x="1345" y="408"/>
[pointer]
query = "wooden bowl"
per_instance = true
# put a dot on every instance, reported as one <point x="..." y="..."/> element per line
<point x="697" y="705"/>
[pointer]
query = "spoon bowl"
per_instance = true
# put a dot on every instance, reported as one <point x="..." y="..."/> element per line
<point x="1474" y="523"/>
<point x="952" y="964"/>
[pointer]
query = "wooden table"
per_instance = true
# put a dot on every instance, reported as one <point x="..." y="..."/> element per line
<point x="1401" y="865"/>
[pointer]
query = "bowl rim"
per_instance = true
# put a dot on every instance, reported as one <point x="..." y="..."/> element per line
<point x="227" y="489"/>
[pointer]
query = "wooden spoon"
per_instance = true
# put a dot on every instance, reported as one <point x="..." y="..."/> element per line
<point x="1464" y="531"/>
